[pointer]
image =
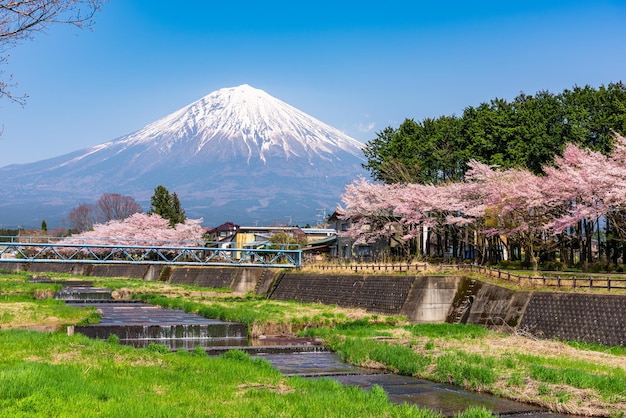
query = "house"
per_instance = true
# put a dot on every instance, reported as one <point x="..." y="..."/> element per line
<point x="230" y="235"/>
<point x="222" y="236"/>
<point x="345" y="248"/>
<point x="319" y="241"/>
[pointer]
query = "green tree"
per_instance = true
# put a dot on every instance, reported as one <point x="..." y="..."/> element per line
<point x="527" y="132"/>
<point x="167" y="206"/>
<point x="178" y="213"/>
<point x="288" y="241"/>
<point x="44" y="226"/>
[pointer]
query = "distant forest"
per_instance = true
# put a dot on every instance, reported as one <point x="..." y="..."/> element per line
<point x="527" y="132"/>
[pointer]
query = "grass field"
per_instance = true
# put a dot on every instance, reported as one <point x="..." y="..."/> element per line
<point x="52" y="374"/>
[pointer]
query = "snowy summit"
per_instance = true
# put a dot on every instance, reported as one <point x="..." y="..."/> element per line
<point x="235" y="152"/>
<point x="244" y="122"/>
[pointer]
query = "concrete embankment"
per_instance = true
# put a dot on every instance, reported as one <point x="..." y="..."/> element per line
<point x="563" y="315"/>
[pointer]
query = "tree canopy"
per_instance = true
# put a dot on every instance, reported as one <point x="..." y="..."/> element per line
<point x="110" y="206"/>
<point x="561" y="207"/>
<point x="528" y="132"/>
<point x="142" y="229"/>
<point x="167" y="206"/>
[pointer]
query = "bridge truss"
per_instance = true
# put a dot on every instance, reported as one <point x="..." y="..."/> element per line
<point x="284" y="256"/>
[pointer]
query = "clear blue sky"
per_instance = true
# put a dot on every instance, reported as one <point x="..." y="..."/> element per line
<point x="359" y="66"/>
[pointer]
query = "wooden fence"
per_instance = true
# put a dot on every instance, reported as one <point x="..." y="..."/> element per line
<point x="563" y="281"/>
<point x="370" y="267"/>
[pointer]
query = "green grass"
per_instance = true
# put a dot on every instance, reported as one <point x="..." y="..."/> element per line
<point x="456" y="331"/>
<point x="396" y="358"/>
<point x="469" y="370"/>
<point x="361" y="328"/>
<point x="253" y="310"/>
<point x="33" y="312"/>
<point x="608" y="385"/>
<point x="433" y="351"/>
<point x="581" y="345"/>
<point x="52" y="374"/>
<point x="18" y="283"/>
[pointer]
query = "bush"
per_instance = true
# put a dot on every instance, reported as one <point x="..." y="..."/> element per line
<point x="552" y="266"/>
<point x="510" y="264"/>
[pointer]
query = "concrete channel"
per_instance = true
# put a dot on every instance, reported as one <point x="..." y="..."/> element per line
<point x="139" y="324"/>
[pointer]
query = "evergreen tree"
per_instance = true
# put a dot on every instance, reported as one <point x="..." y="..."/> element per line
<point x="527" y="132"/>
<point x="178" y="213"/>
<point x="167" y="206"/>
<point x="44" y="226"/>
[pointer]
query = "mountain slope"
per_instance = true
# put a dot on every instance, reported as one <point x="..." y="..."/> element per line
<point x="237" y="154"/>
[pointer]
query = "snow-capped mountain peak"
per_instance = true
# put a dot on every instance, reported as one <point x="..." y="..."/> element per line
<point x="237" y="154"/>
<point x="248" y="122"/>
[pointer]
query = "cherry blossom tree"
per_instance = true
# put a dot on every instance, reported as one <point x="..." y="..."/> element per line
<point x="513" y="202"/>
<point x="370" y="209"/>
<point x="142" y="229"/>
<point x="512" y="205"/>
<point x="585" y="188"/>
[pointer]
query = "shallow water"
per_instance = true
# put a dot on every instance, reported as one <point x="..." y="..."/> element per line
<point x="444" y="398"/>
<point x="139" y="324"/>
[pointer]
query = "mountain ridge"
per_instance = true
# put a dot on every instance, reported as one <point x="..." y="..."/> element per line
<point x="231" y="144"/>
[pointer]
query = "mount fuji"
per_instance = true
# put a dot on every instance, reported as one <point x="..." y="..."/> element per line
<point x="237" y="154"/>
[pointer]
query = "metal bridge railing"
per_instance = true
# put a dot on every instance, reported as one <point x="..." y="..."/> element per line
<point x="20" y="252"/>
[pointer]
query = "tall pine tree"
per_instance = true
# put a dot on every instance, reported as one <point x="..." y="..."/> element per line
<point x="167" y="206"/>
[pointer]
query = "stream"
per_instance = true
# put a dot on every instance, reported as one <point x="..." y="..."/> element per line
<point x="139" y="324"/>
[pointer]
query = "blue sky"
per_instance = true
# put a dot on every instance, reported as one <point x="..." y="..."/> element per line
<point x="359" y="66"/>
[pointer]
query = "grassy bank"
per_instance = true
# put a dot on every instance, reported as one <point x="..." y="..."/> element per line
<point x="580" y="379"/>
<point x="577" y="378"/>
<point x="50" y="374"/>
<point x="46" y="374"/>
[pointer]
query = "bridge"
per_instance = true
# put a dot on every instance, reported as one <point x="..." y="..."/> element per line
<point x="13" y="250"/>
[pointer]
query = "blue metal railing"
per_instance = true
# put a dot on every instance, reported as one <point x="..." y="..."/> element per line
<point x="284" y="256"/>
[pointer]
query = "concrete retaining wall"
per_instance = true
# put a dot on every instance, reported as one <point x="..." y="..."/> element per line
<point x="137" y="271"/>
<point x="430" y="298"/>
<point x="239" y="280"/>
<point x="496" y="307"/>
<point x="567" y="316"/>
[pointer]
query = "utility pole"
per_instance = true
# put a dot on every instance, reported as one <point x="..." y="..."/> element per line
<point x="321" y="218"/>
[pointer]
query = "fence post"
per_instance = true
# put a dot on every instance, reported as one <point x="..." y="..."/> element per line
<point x="590" y="282"/>
<point x="558" y="282"/>
<point x="608" y="284"/>
<point x="574" y="283"/>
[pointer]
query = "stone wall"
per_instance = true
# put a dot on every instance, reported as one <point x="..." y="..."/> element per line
<point x="577" y="317"/>
<point x="213" y="277"/>
<point x="133" y="271"/>
<point x="380" y="294"/>
<point x="239" y="279"/>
